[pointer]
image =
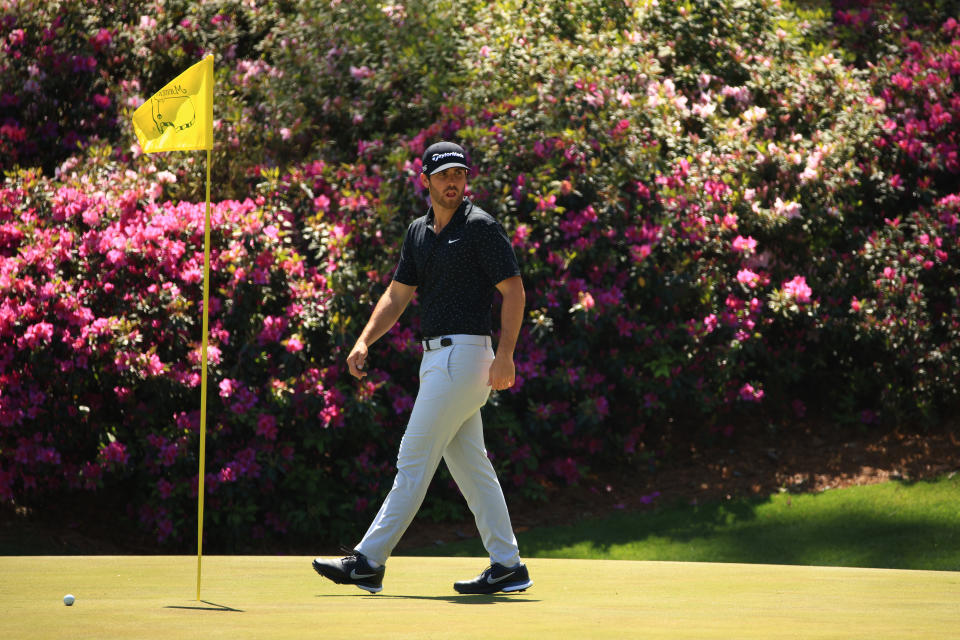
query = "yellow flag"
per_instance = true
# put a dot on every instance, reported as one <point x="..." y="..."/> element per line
<point x="179" y="117"/>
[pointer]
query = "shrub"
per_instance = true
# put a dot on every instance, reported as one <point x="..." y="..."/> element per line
<point x="904" y="309"/>
<point x="674" y="213"/>
<point x="100" y="352"/>
<point x="73" y="71"/>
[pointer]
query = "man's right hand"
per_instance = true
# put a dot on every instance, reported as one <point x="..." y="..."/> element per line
<point x="357" y="359"/>
<point x="388" y="310"/>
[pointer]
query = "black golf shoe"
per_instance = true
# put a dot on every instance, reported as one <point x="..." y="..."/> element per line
<point x="496" y="578"/>
<point x="353" y="569"/>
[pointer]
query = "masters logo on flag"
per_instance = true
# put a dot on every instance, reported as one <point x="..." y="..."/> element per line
<point x="179" y="117"/>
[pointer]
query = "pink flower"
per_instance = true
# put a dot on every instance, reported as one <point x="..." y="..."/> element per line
<point x="547" y="203"/>
<point x="586" y="300"/>
<point x="625" y="327"/>
<point x="797" y="289"/>
<point x="42" y="332"/>
<point x="749" y="394"/>
<point x="640" y="252"/>
<point x="191" y="275"/>
<point x="747" y="244"/>
<point x="359" y="73"/>
<point x="710" y="323"/>
<point x="213" y="354"/>
<point x="520" y="235"/>
<point x="101" y="39"/>
<point x="273" y="328"/>
<point x="227" y="387"/>
<point x="154" y="365"/>
<point x="48" y="455"/>
<point x="402" y="403"/>
<point x="169" y="454"/>
<point x="92" y="474"/>
<point x="294" y="345"/>
<point x="267" y="426"/>
<point x="114" y="452"/>
<point x="748" y="278"/>
<point x="227" y="474"/>
<point x="788" y="209"/>
<point x="603" y="406"/>
<point x="567" y="469"/>
<point x="17" y="37"/>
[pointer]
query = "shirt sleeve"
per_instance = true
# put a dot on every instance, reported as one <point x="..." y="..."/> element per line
<point x="494" y="252"/>
<point x="406" y="272"/>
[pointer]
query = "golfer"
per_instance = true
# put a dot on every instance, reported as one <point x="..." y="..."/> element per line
<point x="455" y="256"/>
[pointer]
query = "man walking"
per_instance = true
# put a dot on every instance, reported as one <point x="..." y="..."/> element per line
<point x="455" y="255"/>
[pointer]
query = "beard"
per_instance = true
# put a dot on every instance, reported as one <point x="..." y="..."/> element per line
<point x="447" y="198"/>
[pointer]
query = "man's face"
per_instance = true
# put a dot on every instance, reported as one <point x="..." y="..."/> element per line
<point x="446" y="187"/>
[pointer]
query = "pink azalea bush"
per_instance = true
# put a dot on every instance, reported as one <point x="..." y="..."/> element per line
<point x="722" y="222"/>
<point x="906" y="308"/>
<point x="100" y="347"/>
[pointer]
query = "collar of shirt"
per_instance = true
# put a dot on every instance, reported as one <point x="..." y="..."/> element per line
<point x="459" y="217"/>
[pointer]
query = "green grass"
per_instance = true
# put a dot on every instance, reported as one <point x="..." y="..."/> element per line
<point x="894" y="525"/>
<point x="273" y="598"/>
<point x="594" y="579"/>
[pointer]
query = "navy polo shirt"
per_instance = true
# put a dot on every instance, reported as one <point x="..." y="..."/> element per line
<point x="456" y="271"/>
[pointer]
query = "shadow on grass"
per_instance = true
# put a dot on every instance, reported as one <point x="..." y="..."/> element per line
<point x="211" y="606"/>
<point x="896" y="526"/>
<point x="854" y="539"/>
<point x="492" y="598"/>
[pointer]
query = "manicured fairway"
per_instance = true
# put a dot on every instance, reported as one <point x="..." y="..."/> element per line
<point x="281" y="597"/>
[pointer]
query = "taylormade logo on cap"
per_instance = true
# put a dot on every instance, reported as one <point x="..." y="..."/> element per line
<point x="444" y="155"/>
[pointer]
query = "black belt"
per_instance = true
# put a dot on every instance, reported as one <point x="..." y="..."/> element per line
<point x="429" y="344"/>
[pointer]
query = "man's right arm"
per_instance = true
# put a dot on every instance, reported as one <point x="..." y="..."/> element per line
<point x="388" y="310"/>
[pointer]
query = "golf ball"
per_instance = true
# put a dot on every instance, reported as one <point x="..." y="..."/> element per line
<point x="68" y="599"/>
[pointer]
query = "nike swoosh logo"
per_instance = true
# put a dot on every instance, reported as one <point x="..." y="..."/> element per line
<point x="452" y="241"/>
<point x="360" y="576"/>
<point x="492" y="580"/>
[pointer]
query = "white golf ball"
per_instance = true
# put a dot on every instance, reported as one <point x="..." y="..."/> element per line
<point x="68" y="600"/>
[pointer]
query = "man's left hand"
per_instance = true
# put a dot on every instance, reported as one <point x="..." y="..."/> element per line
<point x="502" y="373"/>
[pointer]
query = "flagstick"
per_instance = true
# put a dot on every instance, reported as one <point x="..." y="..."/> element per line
<point x="203" y="377"/>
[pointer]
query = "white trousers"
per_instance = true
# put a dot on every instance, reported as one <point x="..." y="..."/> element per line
<point x="445" y="423"/>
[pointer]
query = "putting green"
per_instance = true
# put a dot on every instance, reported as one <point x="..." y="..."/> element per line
<point x="281" y="597"/>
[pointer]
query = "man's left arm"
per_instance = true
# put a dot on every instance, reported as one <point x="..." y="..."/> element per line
<point x="503" y="370"/>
